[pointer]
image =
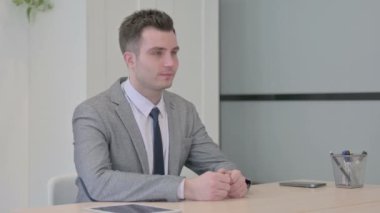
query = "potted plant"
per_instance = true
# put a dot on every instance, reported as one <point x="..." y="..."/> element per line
<point x="34" y="6"/>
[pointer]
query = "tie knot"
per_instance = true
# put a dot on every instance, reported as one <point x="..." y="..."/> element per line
<point x="154" y="113"/>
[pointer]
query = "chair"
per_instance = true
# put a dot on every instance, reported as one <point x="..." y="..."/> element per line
<point x="62" y="189"/>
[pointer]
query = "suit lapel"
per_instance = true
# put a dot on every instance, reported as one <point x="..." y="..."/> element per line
<point x="174" y="138"/>
<point x="123" y="109"/>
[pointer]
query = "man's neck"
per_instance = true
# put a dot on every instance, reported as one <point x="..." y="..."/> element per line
<point x="151" y="95"/>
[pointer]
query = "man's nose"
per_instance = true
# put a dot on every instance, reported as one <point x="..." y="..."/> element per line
<point x="170" y="60"/>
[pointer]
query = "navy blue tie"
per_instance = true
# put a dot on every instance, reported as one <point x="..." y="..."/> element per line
<point x="158" y="156"/>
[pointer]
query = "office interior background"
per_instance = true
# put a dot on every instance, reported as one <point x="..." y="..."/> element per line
<point x="228" y="47"/>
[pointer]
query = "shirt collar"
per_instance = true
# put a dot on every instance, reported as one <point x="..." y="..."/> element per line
<point x="144" y="105"/>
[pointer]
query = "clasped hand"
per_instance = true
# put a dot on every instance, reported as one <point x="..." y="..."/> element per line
<point x="216" y="185"/>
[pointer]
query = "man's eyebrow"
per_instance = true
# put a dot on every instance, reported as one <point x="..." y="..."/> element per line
<point x="156" y="48"/>
<point x="162" y="48"/>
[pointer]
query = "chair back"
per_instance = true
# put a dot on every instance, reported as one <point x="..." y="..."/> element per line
<point x="62" y="189"/>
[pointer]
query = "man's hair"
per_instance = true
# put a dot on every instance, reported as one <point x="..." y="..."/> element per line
<point x="131" y="28"/>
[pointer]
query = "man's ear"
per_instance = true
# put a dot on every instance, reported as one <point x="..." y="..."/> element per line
<point x="130" y="59"/>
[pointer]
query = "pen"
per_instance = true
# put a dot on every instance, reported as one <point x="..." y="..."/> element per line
<point x="347" y="155"/>
<point x="340" y="167"/>
<point x="347" y="162"/>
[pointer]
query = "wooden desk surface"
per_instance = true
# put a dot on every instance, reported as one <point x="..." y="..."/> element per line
<point x="263" y="198"/>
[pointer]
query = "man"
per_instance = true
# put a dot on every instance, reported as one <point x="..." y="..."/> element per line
<point x="132" y="141"/>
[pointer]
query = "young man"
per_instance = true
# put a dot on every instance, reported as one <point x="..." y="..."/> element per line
<point x="132" y="141"/>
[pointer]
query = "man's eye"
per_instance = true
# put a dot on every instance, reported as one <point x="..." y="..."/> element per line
<point x="158" y="53"/>
<point x="174" y="53"/>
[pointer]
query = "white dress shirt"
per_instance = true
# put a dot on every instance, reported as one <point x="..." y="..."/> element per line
<point x="141" y="107"/>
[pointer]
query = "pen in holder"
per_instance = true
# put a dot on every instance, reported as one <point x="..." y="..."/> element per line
<point x="349" y="169"/>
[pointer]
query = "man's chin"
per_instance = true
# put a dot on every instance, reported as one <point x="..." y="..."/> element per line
<point x="164" y="86"/>
<point x="167" y="84"/>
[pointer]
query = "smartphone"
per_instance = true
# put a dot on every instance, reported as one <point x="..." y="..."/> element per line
<point x="304" y="184"/>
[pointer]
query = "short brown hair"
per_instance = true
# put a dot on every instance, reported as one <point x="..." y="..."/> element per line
<point x="131" y="28"/>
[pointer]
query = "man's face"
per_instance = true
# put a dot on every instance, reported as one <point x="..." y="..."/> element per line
<point x="154" y="67"/>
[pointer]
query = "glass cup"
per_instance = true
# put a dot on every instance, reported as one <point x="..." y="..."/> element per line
<point x="349" y="169"/>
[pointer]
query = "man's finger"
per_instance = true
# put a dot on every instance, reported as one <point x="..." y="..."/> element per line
<point x="224" y="178"/>
<point x="222" y="171"/>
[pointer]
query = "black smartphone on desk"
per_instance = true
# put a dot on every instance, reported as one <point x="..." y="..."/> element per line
<point x="304" y="184"/>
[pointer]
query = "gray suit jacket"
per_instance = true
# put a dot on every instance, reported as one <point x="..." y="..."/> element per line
<point x="110" y="156"/>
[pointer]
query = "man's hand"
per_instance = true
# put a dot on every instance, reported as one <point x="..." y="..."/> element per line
<point x="208" y="186"/>
<point x="238" y="187"/>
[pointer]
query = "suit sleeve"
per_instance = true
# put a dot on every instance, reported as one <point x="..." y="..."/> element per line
<point x="204" y="154"/>
<point x="94" y="166"/>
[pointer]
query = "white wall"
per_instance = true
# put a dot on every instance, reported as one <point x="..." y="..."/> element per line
<point x="13" y="107"/>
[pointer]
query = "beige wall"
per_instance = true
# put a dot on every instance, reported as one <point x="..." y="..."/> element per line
<point x="13" y="107"/>
<point x="49" y="66"/>
<point x="57" y="84"/>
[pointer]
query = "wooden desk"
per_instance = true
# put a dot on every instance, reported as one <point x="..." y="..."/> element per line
<point x="263" y="198"/>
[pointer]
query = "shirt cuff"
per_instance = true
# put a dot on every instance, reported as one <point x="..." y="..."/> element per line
<point x="180" y="190"/>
